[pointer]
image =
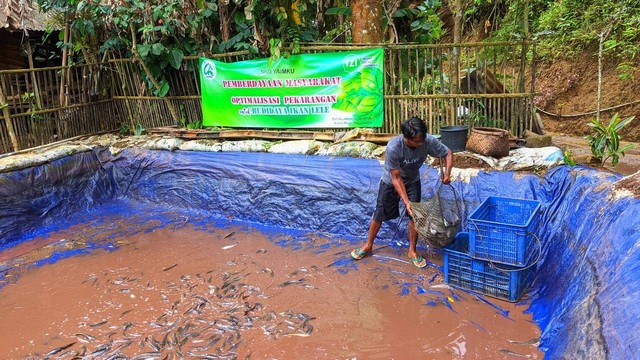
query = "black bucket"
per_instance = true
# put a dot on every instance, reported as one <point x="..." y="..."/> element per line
<point x="454" y="137"/>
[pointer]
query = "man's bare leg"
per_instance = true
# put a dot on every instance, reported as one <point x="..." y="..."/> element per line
<point x="413" y="240"/>
<point x="416" y="259"/>
<point x="374" y="227"/>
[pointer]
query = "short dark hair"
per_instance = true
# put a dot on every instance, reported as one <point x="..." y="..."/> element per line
<point x="413" y="127"/>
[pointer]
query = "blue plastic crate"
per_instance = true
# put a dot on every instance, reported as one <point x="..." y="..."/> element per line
<point x="503" y="230"/>
<point x="460" y="270"/>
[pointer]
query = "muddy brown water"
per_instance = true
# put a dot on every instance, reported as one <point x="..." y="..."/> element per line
<point x="233" y="293"/>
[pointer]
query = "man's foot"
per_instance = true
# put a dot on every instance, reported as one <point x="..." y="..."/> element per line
<point x="418" y="261"/>
<point x="358" y="254"/>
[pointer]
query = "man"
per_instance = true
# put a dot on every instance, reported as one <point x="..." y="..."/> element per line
<point x="401" y="181"/>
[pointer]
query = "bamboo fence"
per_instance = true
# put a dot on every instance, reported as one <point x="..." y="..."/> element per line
<point x="491" y="84"/>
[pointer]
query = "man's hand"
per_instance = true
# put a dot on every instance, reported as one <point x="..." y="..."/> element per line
<point x="409" y="209"/>
<point x="446" y="177"/>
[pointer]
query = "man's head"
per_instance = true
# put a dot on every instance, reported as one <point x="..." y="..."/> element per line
<point x="414" y="131"/>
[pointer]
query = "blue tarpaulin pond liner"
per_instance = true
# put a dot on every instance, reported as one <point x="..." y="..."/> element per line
<point x="584" y="296"/>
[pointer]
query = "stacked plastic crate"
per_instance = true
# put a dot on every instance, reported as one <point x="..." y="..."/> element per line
<point x="496" y="255"/>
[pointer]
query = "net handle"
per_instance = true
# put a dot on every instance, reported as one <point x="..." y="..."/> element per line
<point x="455" y="195"/>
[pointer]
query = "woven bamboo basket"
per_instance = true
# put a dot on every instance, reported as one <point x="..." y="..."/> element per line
<point x="489" y="141"/>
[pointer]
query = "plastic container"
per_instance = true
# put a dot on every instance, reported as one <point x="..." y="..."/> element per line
<point x="504" y="230"/>
<point x="460" y="270"/>
<point x="454" y="137"/>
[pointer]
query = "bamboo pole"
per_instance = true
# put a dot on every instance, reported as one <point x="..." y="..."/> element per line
<point x="7" y="118"/>
<point x="65" y="53"/>
<point x="36" y="90"/>
<point x="47" y="111"/>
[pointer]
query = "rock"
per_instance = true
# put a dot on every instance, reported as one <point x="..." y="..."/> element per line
<point x="536" y="141"/>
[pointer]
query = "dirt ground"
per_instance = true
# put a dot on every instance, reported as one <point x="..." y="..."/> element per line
<point x="629" y="165"/>
<point x="463" y="161"/>
<point x="567" y="87"/>
<point x="579" y="148"/>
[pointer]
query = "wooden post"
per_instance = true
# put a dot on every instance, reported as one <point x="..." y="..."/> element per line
<point x="34" y="80"/>
<point x="527" y="36"/>
<point x="7" y="118"/>
<point x="65" y="54"/>
<point x="457" y="35"/>
<point x="603" y="35"/>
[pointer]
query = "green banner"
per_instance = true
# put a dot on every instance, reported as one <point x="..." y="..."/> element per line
<point x="326" y="90"/>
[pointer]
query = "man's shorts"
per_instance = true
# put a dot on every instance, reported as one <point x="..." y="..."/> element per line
<point x="388" y="200"/>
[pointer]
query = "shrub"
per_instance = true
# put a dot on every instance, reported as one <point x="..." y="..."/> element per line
<point x="605" y="142"/>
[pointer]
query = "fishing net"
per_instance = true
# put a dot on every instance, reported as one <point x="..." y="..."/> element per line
<point x="437" y="219"/>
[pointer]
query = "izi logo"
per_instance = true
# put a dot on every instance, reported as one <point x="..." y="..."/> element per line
<point x="351" y="63"/>
<point x="209" y="70"/>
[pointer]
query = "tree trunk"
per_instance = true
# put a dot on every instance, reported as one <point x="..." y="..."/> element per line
<point x="367" y="21"/>
<point x="320" y="17"/>
<point x="225" y="21"/>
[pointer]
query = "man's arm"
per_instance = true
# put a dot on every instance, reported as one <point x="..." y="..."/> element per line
<point x="398" y="184"/>
<point x="446" y="177"/>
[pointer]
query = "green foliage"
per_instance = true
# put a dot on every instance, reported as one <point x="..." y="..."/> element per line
<point x="165" y="31"/>
<point x="138" y="130"/>
<point x="478" y="116"/>
<point x="605" y="141"/>
<point x="183" y="120"/>
<point x="339" y="10"/>
<point x="124" y="129"/>
<point x="625" y="70"/>
<point x="30" y="99"/>
<point x="195" y="125"/>
<point x="285" y="24"/>
<point x="426" y="26"/>
<point x="565" y="28"/>
<point x="568" y="158"/>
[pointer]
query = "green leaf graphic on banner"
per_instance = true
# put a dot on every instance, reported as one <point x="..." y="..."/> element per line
<point x="372" y="109"/>
<point x="368" y="103"/>
<point x="346" y="103"/>
<point x="361" y="94"/>
<point x="351" y="84"/>
<point x="371" y="79"/>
